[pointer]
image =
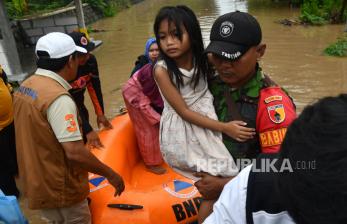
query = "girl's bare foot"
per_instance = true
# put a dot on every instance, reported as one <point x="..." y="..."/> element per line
<point x="156" y="169"/>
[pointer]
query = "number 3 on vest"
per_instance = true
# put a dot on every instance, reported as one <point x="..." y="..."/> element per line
<point x="72" y="126"/>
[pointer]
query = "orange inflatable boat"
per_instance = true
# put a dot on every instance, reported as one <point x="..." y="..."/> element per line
<point x="148" y="198"/>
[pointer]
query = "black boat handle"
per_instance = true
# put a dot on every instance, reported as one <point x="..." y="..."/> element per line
<point x="125" y="206"/>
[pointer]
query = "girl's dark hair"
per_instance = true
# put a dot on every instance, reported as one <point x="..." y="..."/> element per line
<point x="52" y="64"/>
<point x="183" y="16"/>
<point x="319" y="194"/>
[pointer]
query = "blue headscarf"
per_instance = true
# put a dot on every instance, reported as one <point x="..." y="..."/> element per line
<point x="149" y="43"/>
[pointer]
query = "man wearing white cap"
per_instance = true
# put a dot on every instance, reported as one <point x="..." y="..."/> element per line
<point x="52" y="159"/>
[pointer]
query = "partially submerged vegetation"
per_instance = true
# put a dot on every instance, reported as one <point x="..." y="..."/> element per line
<point x="320" y="12"/>
<point x="20" y="8"/>
<point x="339" y="48"/>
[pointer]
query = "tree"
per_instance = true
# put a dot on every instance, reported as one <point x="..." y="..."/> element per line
<point x="21" y="6"/>
<point x="342" y="11"/>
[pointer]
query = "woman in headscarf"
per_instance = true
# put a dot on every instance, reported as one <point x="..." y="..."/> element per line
<point x="151" y="54"/>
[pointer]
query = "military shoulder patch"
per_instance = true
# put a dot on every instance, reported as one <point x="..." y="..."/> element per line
<point x="273" y="98"/>
<point x="276" y="113"/>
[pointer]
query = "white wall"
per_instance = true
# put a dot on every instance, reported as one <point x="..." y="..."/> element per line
<point x="3" y="59"/>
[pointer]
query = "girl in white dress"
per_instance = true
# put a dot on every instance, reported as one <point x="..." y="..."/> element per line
<point x="190" y="134"/>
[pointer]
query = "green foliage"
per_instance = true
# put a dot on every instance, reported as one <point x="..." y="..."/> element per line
<point x="108" y="7"/>
<point x="312" y="13"/>
<point x="16" y="8"/>
<point x="319" y="12"/>
<point x="312" y="19"/>
<point x="19" y="8"/>
<point x="97" y="4"/>
<point x="109" y="11"/>
<point x="11" y="10"/>
<point x="38" y="7"/>
<point x="90" y="29"/>
<point x="338" y="49"/>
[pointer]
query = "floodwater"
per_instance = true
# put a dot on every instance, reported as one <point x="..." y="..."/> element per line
<point x="293" y="57"/>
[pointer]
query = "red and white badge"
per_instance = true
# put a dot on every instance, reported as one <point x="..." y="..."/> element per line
<point x="276" y="113"/>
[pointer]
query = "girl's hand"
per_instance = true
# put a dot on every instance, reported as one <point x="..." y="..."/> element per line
<point x="238" y="131"/>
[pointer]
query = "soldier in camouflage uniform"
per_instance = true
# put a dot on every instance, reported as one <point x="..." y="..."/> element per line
<point x="243" y="92"/>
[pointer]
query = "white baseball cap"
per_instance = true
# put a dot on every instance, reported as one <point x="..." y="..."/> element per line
<point x="58" y="45"/>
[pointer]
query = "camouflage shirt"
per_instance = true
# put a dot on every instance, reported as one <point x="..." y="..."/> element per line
<point x="246" y="99"/>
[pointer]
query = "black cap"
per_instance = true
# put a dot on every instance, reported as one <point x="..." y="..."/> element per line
<point x="81" y="40"/>
<point x="232" y="34"/>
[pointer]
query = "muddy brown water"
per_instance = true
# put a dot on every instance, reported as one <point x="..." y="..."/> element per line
<point x="293" y="57"/>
